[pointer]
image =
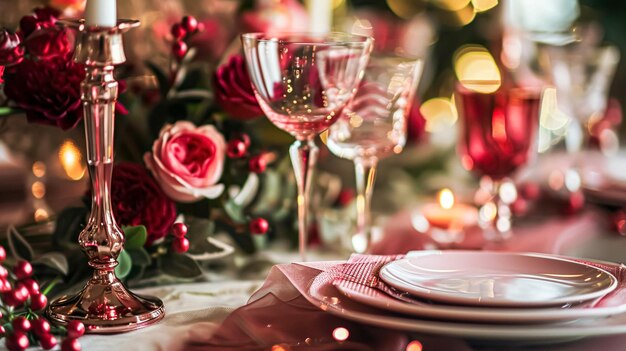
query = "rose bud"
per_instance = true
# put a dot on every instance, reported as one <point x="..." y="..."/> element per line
<point x="11" y="50"/>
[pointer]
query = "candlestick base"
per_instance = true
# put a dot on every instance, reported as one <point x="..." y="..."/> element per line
<point x="107" y="308"/>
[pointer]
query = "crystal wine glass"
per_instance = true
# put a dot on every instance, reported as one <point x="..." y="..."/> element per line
<point x="498" y="128"/>
<point x="374" y="126"/>
<point x="302" y="83"/>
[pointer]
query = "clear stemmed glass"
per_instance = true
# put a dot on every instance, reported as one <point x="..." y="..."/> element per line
<point x="497" y="135"/>
<point x="303" y="82"/>
<point x="373" y="126"/>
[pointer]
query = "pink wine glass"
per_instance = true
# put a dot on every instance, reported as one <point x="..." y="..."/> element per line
<point x="303" y="82"/>
<point x="496" y="138"/>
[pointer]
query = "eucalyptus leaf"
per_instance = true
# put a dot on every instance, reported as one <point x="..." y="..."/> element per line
<point x="8" y="111"/>
<point x="234" y="211"/>
<point x="140" y="257"/>
<point x="125" y="263"/>
<point x="69" y="224"/>
<point x="18" y="246"/>
<point x="199" y="230"/>
<point x="179" y="265"/>
<point x="55" y="261"/>
<point x="135" y="237"/>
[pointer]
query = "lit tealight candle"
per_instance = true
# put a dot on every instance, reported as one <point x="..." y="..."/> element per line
<point x="448" y="215"/>
<point x="101" y="13"/>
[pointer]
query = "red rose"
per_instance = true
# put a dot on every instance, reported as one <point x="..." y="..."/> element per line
<point x="11" y="50"/>
<point x="138" y="199"/>
<point x="48" y="90"/>
<point x="40" y="18"/>
<point x="48" y="42"/>
<point x="233" y="90"/>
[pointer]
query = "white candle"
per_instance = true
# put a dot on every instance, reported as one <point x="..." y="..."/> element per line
<point x="320" y="15"/>
<point x="101" y="13"/>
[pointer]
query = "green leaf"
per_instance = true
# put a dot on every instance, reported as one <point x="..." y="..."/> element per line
<point x="18" y="246"/>
<point x="199" y="229"/>
<point x="125" y="263"/>
<point x="234" y="211"/>
<point x="55" y="261"/>
<point x="69" y="224"/>
<point x="140" y="257"/>
<point x="8" y="111"/>
<point x="178" y="265"/>
<point x="161" y="77"/>
<point x="136" y="237"/>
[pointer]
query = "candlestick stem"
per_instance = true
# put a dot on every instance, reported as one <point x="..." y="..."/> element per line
<point x="104" y="305"/>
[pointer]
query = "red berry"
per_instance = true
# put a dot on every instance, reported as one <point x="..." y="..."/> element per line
<point x="20" y="324"/>
<point x="190" y="24"/>
<point x="15" y="297"/>
<point x="23" y="270"/>
<point x="70" y="344"/>
<point x="3" y="254"/>
<point x="179" y="49"/>
<point x="236" y="149"/>
<point x="178" y="31"/>
<point x="5" y="285"/>
<point x="243" y="137"/>
<point x="17" y="341"/>
<point x="3" y="272"/>
<point x="179" y="229"/>
<point x="47" y="341"/>
<point x="257" y="164"/>
<point x="38" y="301"/>
<point x="180" y="245"/>
<point x="30" y="284"/>
<point x="40" y="327"/>
<point x="258" y="226"/>
<point x="2" y="331"/>
<point x="75" y="329"/>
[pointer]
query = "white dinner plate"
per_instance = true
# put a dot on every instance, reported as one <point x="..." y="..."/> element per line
<point x="497" y="279"/>
<point x="323" y="294"/>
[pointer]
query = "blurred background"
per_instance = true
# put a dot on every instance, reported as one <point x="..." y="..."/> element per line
<point x="563" y="47"/>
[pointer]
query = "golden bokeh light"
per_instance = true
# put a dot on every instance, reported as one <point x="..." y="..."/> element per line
<point x="446" y="198"/>
<point x="414" y="345"/>
<point x="72" y="160"/>
<point x="341" y="334"/>
<point x="451" y="5"/>
<point x="39" y="169"/>
<point x="439" y="113"/>
<point x="41" y="215"/>
<point x="484" y="5"/>
<point x="38" y="189"/>
<point x="476" y="69"/>
<point x="465" y="15"/>
<point x="405" y="9"/>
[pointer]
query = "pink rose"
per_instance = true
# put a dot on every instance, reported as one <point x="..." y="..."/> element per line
<point x="187" y="161"/>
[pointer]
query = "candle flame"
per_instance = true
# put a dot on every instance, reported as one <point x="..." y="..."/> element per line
<point x="446" y="199"/>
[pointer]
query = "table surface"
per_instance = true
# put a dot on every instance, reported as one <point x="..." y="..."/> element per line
<point x="201" y="307"/>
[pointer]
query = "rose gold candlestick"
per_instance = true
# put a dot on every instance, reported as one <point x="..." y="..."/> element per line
<point x="104" y="305"/>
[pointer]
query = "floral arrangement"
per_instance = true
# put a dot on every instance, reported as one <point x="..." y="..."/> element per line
<point x="190" y="163"/>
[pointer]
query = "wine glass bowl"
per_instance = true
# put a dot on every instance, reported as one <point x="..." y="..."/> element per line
<point x="497" y="137"/>
<point x="373" y="126"/>
<point x="302" y="82"/>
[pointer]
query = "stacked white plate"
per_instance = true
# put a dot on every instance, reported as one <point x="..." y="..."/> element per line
<point x="485" y="295"/>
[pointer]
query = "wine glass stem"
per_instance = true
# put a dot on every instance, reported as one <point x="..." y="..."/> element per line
<point x="365" y="170"/>
<point x="496" y="214"/>
<point x="303" y="154"/>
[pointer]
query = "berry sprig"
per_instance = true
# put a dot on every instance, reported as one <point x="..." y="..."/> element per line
<point x="180" y="244"/>
<point x="181" y="32"/>
<point x="22" y="322"/>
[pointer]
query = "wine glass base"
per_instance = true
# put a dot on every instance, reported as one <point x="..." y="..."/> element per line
<point x="107" y="309"/>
